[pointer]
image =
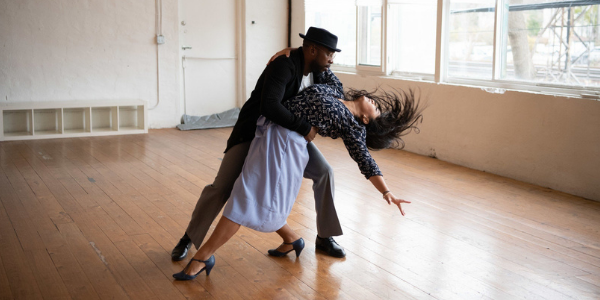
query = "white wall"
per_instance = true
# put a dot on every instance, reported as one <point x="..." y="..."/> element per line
<point x="57" y="50"/>
<point x="549" y="141"/>
<point x="89" y="50"/>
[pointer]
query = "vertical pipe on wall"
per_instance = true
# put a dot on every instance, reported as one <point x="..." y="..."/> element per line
<point x="289" y="23"/>
<point x="241" y="50"/>
<point x="158" y="10"/>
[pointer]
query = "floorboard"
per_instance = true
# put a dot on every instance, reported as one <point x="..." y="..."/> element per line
<point x="97" y="217"/>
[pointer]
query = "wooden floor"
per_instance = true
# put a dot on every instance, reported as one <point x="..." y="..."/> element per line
<point x="96" y="218"/>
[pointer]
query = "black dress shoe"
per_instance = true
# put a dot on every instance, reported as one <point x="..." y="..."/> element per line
<point x="330" y="246"/>
<point x="181" y="250"/>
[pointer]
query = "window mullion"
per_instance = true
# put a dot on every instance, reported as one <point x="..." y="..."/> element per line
<point x="445" y="59"/>
<point x="499" y="46"/>
<point x="357" y="38"/>
<point x="385" y="69"/>
<point x="495" y="39"/>
<point x="439" y="41"/>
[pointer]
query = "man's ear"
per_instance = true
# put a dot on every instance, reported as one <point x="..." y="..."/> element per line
<point x="313" y="50"/>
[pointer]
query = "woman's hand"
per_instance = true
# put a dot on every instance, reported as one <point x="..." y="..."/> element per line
<point x="285" y="52"/>
<point x="390" y="198"/>
<point x="382" y="187"/>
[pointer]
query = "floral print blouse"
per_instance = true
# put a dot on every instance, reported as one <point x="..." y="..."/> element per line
<point x="320" y="106"/>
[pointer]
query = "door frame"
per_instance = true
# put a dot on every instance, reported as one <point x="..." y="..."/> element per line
<point x="241" y="51"/>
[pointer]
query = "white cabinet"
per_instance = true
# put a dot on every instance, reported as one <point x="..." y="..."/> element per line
<point x="42" y="120"/>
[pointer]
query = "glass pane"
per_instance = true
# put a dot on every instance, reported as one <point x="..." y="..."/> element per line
<point x="471" y="39"/>
<point x="413" y="47"/>
<point x="369" y="35"/>
<point x="339" y="18"/>
<point x="552" y="42"/>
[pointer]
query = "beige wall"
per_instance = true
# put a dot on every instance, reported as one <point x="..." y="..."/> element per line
<point x="550" y="141"/>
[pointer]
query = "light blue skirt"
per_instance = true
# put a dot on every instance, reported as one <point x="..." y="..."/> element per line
<point x="264" y="193"/>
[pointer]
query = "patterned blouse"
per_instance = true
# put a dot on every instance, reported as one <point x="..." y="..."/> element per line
<point x="319" y="104"/>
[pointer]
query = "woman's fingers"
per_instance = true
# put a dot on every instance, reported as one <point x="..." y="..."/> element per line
<point x="399" y="202"/>
<point x="285" y="52"/>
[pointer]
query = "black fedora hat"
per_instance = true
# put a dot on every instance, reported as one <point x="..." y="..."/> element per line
<point x="321" y="37"/>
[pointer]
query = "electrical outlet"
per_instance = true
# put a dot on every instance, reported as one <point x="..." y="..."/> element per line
<point x="160" y="39"/>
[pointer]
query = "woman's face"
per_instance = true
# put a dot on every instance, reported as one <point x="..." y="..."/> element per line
<point x="367" y="108"/>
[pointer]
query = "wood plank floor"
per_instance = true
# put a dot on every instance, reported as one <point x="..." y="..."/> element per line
<point x="96" y="218"/>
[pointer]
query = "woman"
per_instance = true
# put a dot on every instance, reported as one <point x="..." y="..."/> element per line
<point x="263" y="195"/>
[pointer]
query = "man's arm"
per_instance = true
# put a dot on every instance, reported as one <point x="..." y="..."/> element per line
<point x="278" y="75"/>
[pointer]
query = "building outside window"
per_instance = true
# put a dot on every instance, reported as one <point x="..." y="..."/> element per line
<point x="551" y="42"/>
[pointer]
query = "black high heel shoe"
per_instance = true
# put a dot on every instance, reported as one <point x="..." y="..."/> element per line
<point x="297" y="246"/>
<point x="208" y="265"/>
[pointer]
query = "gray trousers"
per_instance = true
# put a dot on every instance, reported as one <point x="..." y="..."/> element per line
<point x="214" y="196"/>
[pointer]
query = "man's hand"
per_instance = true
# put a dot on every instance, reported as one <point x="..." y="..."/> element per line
<point x="285" y="52"/>
<point x="312" y="134"/>
<point x="390" y="198"/>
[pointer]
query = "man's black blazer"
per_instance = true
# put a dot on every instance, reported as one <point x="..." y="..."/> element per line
<point x="279" y="81"/>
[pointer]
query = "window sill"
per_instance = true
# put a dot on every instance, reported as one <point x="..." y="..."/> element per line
<point x="500" y="87"/>
<point x="495" y="87"/>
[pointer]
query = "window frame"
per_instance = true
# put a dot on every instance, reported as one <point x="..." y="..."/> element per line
<point x="441" y="60"/>
<point x="369" y="69"/>
<point x="415" y="76"/>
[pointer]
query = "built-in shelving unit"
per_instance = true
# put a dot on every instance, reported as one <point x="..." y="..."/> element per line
<point x="43" y="120"/>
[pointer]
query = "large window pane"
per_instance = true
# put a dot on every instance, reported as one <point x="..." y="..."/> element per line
<point x="551" y="42"/>
<point x="471" y="39"/>
<point x="369" y="35"/>
<point x="412" y="35"/>
<point x="338" y="17"/>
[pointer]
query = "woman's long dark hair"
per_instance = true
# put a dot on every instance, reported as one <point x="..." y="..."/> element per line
<point x="400" y="112"/>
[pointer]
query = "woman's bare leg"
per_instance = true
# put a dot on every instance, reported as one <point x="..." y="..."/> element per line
<point x="288" y="235"/>
<point x="223" y="232"/>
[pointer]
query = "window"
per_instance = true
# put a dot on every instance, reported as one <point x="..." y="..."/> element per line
<point x="553" y="42"/>
<point x="470" y="39"/>
<point x="338" y="17"/>
<point x="411" y="34"/>
<point x="369" y="33"/>
<point x="541" y="45"/>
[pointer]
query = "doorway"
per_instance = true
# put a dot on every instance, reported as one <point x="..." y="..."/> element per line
<point x="209" y="35"/>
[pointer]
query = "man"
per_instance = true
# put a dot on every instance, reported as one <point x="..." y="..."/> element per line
<point x="282" y="79"/>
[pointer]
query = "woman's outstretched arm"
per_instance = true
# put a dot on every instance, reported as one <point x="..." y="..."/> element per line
<point x="388" y="196"/>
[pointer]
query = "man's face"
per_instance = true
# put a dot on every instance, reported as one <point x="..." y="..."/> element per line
<point x="323" y="59"/>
